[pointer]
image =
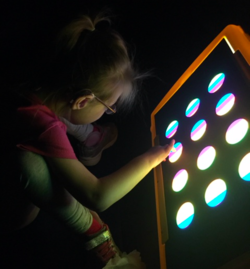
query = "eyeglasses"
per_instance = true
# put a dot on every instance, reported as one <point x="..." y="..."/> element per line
<point x="110" y="109"/>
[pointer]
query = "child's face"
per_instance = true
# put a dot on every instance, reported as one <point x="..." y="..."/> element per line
<point x="93" y="110"/>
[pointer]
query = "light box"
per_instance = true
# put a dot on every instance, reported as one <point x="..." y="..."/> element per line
<point x="203" y="188"/>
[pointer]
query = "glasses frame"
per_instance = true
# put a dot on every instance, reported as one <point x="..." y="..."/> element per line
<point x="110" y="109"/>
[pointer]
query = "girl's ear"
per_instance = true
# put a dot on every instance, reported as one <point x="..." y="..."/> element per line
<point x="81" y="101"/>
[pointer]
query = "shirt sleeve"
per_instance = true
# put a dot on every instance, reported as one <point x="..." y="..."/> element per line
<point x="51" y="143"/>
<point x="48" y="137"/>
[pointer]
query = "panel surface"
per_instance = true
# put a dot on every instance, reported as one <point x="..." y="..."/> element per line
<point x="216" y="234"/>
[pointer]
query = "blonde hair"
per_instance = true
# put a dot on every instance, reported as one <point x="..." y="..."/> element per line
<point x="91" y="55"/>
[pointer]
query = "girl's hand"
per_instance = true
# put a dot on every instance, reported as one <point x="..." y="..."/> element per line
<point x="158" y="154"/>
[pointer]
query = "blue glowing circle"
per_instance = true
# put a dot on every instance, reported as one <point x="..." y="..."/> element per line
<point x="215" y="192"/>
<point x="225" y="104"/>
<point x="172" y="129"/>
<point x="192" y="107"/>
<point x="216" y="83"/>
<point x="185" y="215"/>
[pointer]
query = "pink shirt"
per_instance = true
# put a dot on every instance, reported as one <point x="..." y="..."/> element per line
<point x="42" y="132"/>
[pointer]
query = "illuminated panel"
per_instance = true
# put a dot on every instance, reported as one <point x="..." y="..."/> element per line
<point x="198" y="130"/>
<point x="225" y="104"/>
<point x="172" y="129"/>
<point x="215" y="192"/>
<point x="216" y="83"/>
<point x="236" y="131"/>
<point x="180" y="180"/>
<point x="206" y="157"/>
<point x="185" y="215"/>
<point x="220" y="80"/>
<point x="175" y="155"/>
<point x="192" y="107"/>
<point x="244" y="167"/>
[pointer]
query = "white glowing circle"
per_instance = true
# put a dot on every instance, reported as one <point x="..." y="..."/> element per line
<point x="216" y="83"/>
<point x="174" y="156"/>
<point x="244" y="168"/>
<point x="215" y="192"/>
<point x="236" y="131"/>
<point x="225" y="104"/>
<point x="198" y="130"/>
<point x="206" y="157"/>
<point x="185" y="215"/>
<point x="172" y="129"/>
<point x="180" y="180"/>
<point x="192" y="107"/>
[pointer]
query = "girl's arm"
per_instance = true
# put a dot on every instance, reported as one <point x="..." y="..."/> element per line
<point x="99" y="194"/>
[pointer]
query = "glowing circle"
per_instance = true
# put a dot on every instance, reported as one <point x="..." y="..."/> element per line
<point x="215" y="192"/>
<point x="174" y="156"/>
<point x="225" y="104"/>
<point x="216" y="83"/>
<point x="192" y="107"/>
<point x="185" y="215"/>
<point x="206" y="157"/>
<point x="198" y="130"/>
<point x="172" y="128"/>
<point x="180" y="180"/>
<point x="244" y="168"/>
<point x="236" y="131"/>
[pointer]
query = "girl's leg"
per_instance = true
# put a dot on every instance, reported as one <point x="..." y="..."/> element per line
<point x="47" y="193"/>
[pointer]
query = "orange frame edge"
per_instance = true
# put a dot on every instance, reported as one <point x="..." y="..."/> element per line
<point x="238" y="40"/>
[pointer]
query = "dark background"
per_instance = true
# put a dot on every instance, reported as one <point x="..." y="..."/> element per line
<point x="165" y="38"/>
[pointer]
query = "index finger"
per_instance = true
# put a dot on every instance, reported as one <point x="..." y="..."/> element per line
<point x="171" y="145"/>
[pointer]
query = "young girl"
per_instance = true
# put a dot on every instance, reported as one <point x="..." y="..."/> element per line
<point x="90" y="75"/>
